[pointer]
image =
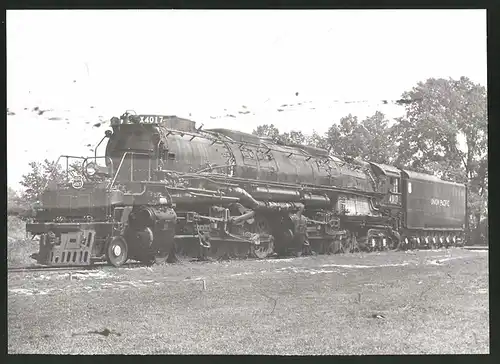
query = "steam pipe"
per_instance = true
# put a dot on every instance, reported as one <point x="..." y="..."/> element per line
<point x="260" y="205"/>
<point x="220" y="198"/>
<point x="247" y="197"/>
<point x="144" y="187"/>
<point x="243" y="217"/>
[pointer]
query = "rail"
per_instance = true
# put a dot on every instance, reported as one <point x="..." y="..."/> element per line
<point x="54" y="169"/>
<point x="69" y="268"/>
<point x="84" y="162"/>
<point x="95" y="150"/>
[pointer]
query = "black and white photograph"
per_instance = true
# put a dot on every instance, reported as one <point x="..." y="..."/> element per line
<point x="247" y="182"/>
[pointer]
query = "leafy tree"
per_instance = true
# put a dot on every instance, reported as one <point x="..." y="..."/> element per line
<point x="342" y="140"/>
<point x="11" y="197"/>
<point x="294" y="137"/>
<point x="270" y="131"/>
<point x="427" y="138"/>
<point x="370" y="139"/>
<point x="43" y="175"/>
<point x="15" y="204"/>
<point x="378" y="145"/>
<point x="316" y="140"/>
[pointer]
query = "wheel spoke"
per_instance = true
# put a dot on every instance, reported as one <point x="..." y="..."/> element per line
<point x="266" y="247"/>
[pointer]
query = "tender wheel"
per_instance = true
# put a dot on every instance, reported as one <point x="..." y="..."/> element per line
<point x="117" y="251"/>
<point x="370" y="244"/>
<point x="405" y="243"/>
<point x="385" y="243"/>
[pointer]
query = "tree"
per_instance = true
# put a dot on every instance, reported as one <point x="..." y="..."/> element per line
<point x="438" y="112"/>
<point x="369" y="140"/>
<point x="267" y="130"/>
<point x="270" y="131"/>
<point x="377" y="141"/>
<point x="341" y="139"/>
<point x="316" y="140"/>
<point x="15" y="205"/>
<point x="37" y="180"/>
<point x="294" y="137"/>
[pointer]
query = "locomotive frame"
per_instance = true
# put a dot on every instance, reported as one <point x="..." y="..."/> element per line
<point x="182" y="190"/>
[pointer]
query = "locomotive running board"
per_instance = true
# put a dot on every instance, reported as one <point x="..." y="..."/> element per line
<point x="221" y="240"/>
<point x="45" y="227"/>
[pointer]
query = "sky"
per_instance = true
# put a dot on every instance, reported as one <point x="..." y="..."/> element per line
<point x="86" y="66"/>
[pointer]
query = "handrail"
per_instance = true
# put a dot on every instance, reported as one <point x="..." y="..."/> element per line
<point x="55" y="167"/>
<point x="120" y="166"/>
<point x="117" y="171"/>
<point x="85" y="159"/>
<point x="95" y="150"/>
<point x="52" y="174"/>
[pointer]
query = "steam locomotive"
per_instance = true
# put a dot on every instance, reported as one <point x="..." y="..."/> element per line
<point x="166" y="188"/>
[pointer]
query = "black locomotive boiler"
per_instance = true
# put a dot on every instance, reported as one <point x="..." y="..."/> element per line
<point x="166" y="188"/>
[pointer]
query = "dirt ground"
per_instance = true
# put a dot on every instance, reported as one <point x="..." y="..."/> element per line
<point x="423" y="302"/>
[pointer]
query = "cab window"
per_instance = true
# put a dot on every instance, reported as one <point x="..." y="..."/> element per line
<point x="395" y="185"/>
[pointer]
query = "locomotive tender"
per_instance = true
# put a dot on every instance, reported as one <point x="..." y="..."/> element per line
<point x="165" y="187"/>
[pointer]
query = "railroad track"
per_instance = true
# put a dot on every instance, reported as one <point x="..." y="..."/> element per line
<point x="476" y="247"/>
<point x="132" y="264"/>
<point x="66" y="269"/>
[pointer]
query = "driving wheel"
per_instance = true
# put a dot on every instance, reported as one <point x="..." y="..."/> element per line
<point x="261" y="228"/>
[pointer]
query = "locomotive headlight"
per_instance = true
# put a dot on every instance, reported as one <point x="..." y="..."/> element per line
<point x="91" y="169"/>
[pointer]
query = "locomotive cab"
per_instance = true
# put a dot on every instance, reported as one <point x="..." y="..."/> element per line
<point x="389" y="184"/>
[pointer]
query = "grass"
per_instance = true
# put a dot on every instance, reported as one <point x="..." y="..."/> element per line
<point x="306" y="306"/>
<point x="19" y="248"/>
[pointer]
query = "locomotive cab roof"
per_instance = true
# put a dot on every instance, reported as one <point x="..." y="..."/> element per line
<point x="385" y="169"/>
